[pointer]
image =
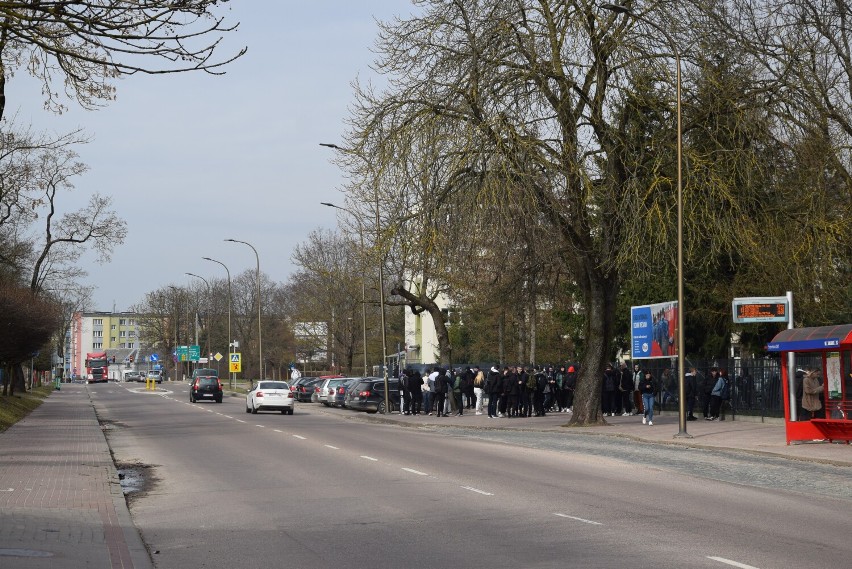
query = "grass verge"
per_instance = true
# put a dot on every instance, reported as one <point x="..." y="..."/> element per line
<point x="19" y="405"/>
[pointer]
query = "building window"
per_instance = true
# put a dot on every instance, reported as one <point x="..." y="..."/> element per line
<point x="132" y="333"/>
<point x="112" y="327"/>
<point x="97" y="346"/>
<point x="122" y="334"/>
<point x="98" y="333"/>
<point x="130" y="345"/>
<point x="122" y="322"/>
<point x="112" y="339"/>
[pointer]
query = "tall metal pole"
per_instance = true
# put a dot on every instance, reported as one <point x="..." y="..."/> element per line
<point x="363" y="279"/>
<point x="177" y="358"/>
<point x="230" y="340"/>
<point x="209" y="354"/>
<point x="381" y="274"/>
<point x="681" y="308"/>
<point x="259" y="323"/>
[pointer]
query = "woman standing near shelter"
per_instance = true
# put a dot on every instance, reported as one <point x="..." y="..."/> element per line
<point x="811" y="389"/>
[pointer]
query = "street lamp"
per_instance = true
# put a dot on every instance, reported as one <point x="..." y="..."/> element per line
<point x="259" y="340"/>
<point x="681" y="346"/>
<point x="381" y="276"/>
<point x="208" y="297"/>
<point x="177" y="292"/>
<point x="363" y="280"/>
<point x="230" y="340"/>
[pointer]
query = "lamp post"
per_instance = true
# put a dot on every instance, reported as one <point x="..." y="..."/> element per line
<point x="363" y="283"/>
<point x="381" y="277"/>
<point x="681" y="347"/>
<point x="230" y="340"/>
<point x="208" y="297"/>
<point x="176" y="291"/>
<point x="259" y="339"/>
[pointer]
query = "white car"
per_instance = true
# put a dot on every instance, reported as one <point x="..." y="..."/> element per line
<point x="328" y="390"/>
<point x="270" y="396"/>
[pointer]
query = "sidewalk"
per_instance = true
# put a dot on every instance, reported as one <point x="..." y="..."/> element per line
<point x="61" y="504"/>
<point x="740" y="435"/>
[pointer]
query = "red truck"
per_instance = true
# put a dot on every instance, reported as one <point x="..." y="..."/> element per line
<point x="96" y="367"/>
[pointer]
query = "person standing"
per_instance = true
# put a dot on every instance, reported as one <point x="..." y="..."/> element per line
<point x="690" y="386"/>
<point x="811" y="390"/>
<point x="493" y="386"/>
<point x="638" y="376"/>
<point x="430" y="393"/>
<point x="646" y="388"/>
<point x="416" y="385"/>
<point x="609" y="394"/>
<point x="441" y="382"/>
<point x="405" y="387"/>
<point x="458" y="388"/>
<point x="707" y="391"/>
<point x="569" y="384"/>
<point x="625" y="389"/>
<point x="720" y="392"/>
<point x="478" y="388"/>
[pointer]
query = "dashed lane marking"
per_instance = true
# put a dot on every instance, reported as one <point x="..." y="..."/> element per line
<point x="299" y="437"/>
<point x="731" y="563"/>
<point x="240" y="421"/>
<point x="331" y="447"/>
<point x="412" y="471"/>
<point x="477" y="490"/>
<point x="278" y="430"/>
<point x="585" y="521"/>
<point x="370" y="458"/>
<point x="261" y="426"/>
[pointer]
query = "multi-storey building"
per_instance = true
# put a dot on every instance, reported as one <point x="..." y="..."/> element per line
<point x="116" y="334"/>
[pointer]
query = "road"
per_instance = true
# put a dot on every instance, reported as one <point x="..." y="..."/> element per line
<point x="324" y="489"/>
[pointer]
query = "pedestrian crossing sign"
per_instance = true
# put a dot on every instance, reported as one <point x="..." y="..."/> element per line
<point x="235" y="364"/>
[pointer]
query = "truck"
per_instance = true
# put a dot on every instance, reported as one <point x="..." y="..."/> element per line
<point x="96" y="367"/>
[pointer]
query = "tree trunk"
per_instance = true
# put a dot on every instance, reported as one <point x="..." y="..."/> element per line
<point x="599" y="293"/>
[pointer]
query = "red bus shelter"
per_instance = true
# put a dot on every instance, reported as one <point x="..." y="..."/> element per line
<point x="834" y="344"/>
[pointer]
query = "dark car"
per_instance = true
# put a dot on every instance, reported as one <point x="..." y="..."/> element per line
<point x="342" y="390"/>
<point x="369" y="395"/>
<point x="205" y="387"/>
<point x="303" y="388"/>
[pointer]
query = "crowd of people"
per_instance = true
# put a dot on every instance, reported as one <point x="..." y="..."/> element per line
<point x="534" y="391"/>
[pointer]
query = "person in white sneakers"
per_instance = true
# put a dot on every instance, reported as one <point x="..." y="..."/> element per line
<point x="478" y="388"/>
<point x="646" y="388"/>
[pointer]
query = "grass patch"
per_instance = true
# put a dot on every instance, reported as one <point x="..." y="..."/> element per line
<point x="19" y="405"/>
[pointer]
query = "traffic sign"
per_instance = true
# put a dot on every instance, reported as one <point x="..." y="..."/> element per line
<point x="235" y="364"/>
<point x="155" y="358"/>
<point x="194" y="353"/>
<point x="218" y="357"/>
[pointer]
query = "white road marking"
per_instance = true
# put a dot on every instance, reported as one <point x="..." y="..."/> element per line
<point x="579" y="519"/>
<point x="261" y="426"/>
<point x="227" y="416"/>
<point x="472" y="489"/>
<point x="298" y="437"/>
<point x="731" y="563"/>
<point x="412" y="471"/>
<point x="8" y="490"/>
<point x="278" y="430"/>
<point x="240" y="421"/>
<point x="370" y="458"/>
<point x="329" y="446"/>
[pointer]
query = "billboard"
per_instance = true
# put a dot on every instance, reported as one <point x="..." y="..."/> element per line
<point x="653" y="331"/>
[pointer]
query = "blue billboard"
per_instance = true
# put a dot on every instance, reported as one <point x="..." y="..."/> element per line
<point x="653" y="331"/>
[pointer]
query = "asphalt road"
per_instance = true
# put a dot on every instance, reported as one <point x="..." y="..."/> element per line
<point x="319" y="489"/>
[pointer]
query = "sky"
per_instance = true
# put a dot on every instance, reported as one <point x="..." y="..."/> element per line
<point x="193" y="159"/>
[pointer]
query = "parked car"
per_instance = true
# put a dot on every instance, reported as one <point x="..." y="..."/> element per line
<point x="304" y="388"/>
<point x="339" y="398"/>
<point x="317" y="396"/>
<point x="369" y="395"/>
<point x="328" y="387"/>
<point x="270" y="396"/>
<point x="205" y="387"/>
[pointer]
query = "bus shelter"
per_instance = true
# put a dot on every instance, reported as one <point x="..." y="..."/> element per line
<point x="831" y="348"/>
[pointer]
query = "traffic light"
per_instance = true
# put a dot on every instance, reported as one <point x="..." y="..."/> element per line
<point x="131" y="359"/>
<point x="113" y="359"/>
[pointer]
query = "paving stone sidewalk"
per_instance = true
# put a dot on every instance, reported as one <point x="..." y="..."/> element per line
<point x="61" y="504"/>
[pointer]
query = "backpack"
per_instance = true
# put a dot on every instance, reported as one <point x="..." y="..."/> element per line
<point x="726" y="390"/>
<point x="531" y="383"/>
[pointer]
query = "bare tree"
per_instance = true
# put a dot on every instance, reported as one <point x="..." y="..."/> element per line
<point x="87" y="45"/>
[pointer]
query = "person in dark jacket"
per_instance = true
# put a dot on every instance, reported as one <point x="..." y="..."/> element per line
<point x="569" y="384"/>
<point x="405" y="388"/>
<point x="707" y="389"/>
<point x="415" y="385"/>
<point x="648" y="390"/>
<point x="609" y="394"/>
<point x="493" y="386"/>
<point x="625" y="389"/>
<point x="690" y="386"/>
<point x="441" y="392"/>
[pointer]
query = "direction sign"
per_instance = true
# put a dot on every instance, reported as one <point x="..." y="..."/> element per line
<point x="194" y="353"/>
<point x="235" y="364"/>
<point x="182" y="353"/>
<point x="155" y="358"/>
